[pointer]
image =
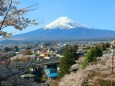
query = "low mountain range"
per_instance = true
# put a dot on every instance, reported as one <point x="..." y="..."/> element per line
<point x="65" y="28"/>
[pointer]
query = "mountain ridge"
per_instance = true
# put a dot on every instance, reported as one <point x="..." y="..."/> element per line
<point x="66" y="29"/>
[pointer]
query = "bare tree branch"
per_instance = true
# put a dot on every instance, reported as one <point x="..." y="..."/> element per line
<point x="15" y="17"/>
<point x="6" y="14"/>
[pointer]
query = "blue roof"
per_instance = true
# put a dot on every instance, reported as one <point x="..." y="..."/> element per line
<point x="52" y="75"/>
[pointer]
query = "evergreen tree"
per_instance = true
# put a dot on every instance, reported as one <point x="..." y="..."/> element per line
<point x="92" y="55"/>
<point x="98" y="52"/>
<point x="70" y="55"/>
<point x="7" y="49"/>
<point x="107" y="45"/>
<point x="16" y="48"/>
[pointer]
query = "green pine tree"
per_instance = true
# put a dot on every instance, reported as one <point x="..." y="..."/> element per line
<point x="92" y="55"/>
<point x="70" y="55"/>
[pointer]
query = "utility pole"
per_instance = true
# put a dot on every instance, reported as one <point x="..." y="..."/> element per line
<point x="112" y="71"/>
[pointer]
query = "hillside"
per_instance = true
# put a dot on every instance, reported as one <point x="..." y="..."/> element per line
<point x="97" y="74"/>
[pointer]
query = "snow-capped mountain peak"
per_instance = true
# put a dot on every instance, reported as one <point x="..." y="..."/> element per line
<point x="63" y="23"/>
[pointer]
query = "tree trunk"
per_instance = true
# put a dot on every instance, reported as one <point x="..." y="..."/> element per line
<point x="0" y="83"/>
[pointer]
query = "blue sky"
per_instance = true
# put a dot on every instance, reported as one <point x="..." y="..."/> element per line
<point x="99" y="14"/>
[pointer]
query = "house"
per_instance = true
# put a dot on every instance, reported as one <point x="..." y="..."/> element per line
<point x="51" y="72"/>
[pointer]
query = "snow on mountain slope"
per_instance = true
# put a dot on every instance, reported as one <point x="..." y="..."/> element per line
<point x="66" y="29"/>
<point x="63" y="23"/>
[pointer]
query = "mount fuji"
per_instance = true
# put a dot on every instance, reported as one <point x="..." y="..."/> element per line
<point x="63" y="23"/>
<point x="65" y="28"/>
